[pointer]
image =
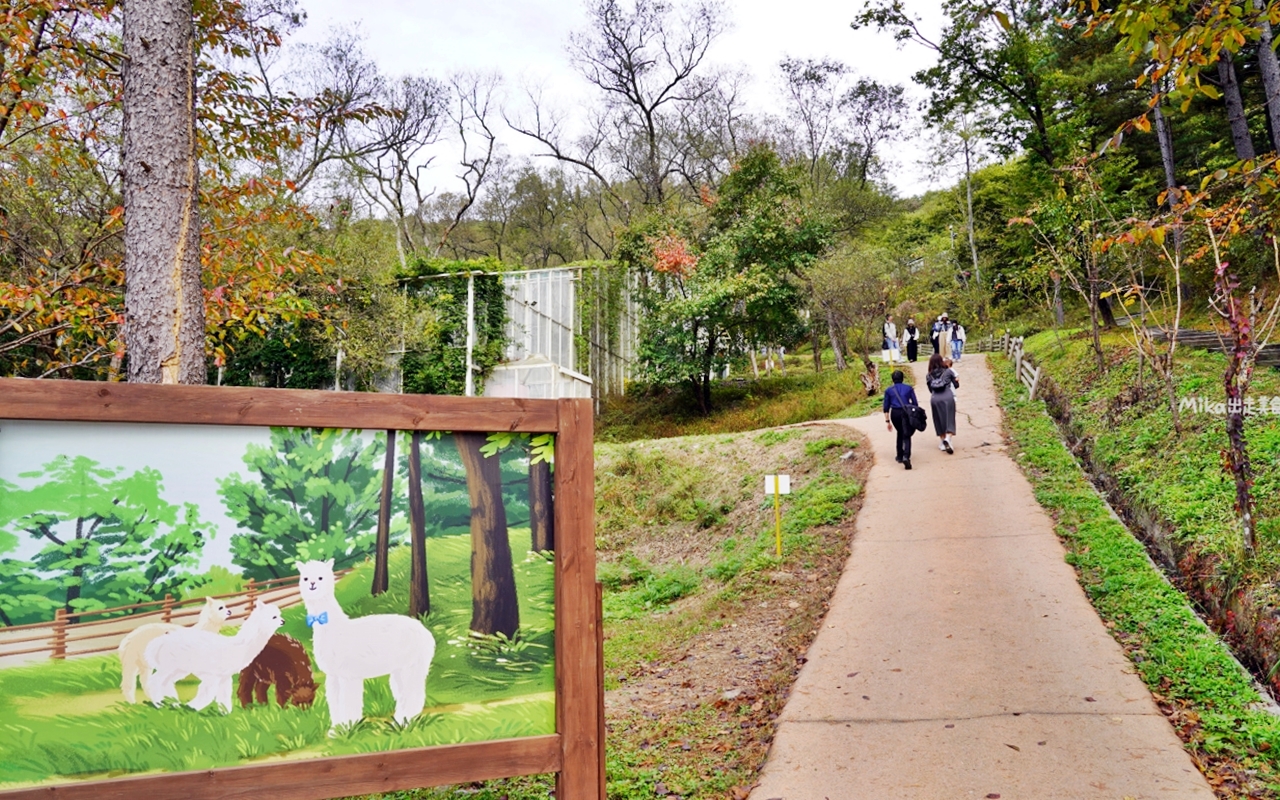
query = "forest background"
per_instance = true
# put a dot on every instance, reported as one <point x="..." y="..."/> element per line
<point x="1091" y="141"/>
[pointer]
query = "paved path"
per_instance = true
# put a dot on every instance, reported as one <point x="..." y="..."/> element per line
<point x="960" y="658"/>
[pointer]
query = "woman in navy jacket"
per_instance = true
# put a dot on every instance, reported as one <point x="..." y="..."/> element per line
<point x="897" y="399"/>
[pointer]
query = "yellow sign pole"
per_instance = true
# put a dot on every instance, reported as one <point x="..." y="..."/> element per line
<point x="777" y="511"/>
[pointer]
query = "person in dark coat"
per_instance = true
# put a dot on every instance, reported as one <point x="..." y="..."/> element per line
<point x="912" y="335"/>
<point x="898" y="398"/>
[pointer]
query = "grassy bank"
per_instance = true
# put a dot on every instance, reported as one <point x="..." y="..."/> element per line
<point x="738" y="405"/>
<point x="1210" y="700"/>
<point x="705" y="626"/>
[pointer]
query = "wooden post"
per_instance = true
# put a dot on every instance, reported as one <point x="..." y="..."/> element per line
<point x="168" y="608"/>
<point x="1035" y="382"/>
<point x="600" y="675"/>
<point x="251" y="595"/>
<point x="578" y="623"/>
<point x="59" y="634"/>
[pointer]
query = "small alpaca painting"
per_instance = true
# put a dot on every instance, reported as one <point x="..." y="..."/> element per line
<point x="283" y="663"/>
<point x="213" y="615"/>
<point x="212" y="658"/>
<point x="348" y="651"/>
<point x="183" y="598"/>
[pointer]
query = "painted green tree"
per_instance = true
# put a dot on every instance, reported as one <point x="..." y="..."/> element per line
<point x="314" y="494"/>
<point x="108" y="538"/>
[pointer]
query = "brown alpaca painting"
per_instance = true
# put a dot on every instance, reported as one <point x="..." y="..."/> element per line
<point x="282" y="662"/>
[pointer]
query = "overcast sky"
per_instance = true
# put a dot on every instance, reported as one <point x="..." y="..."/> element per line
<point x="524" y="40"/>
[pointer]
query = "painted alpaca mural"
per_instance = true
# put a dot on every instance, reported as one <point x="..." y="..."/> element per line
<point x="350" y="650"/>
<point x="283" y="662"/>
<point x="211" y="657"/>
<point x="134" y="645"/>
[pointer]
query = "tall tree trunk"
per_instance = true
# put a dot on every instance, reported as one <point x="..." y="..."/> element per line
<point x="164" y="301"/>
<point x="542" y="522"/>
<point x="1269" y="68"/>
<point x="968" y="188"/>
<point x="1240" y="138"/>
<point x="815" y="339"/>
<point x="494" y="608"/>
<point x="1091" y="276"/>
<point x="419" y="590"/>
<point x="834" y="331"/>
<point x="1104" y="307"/>
<point x="1164" y="136"/>
<point x="1058" y="315"/>
<point x="381" y="580"/>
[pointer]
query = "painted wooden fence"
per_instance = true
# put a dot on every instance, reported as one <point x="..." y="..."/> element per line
<point x="71" y="635"/>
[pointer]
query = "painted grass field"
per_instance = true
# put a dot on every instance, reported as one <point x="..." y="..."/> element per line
<point x="67" y="720"/>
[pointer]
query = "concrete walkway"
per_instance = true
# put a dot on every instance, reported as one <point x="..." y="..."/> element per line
<point x="960" y="657"/>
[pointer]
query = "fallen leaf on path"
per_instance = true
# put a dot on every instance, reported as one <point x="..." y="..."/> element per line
<point x="1090" y="700"/>
<point x="993" y="796"/>
<point x="1013" y="747"/>
<point x="851" y="674"/>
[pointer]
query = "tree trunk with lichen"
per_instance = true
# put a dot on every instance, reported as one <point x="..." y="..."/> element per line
<point x="164" y="300"/>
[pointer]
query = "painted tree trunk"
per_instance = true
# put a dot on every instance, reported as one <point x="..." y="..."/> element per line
<point x="381" y="580"/>
<point x="1236" y="119"/>
<point x="494" y="608"/>
<point x="1269" y="68"/>
<point x="419" y="590"/>
<point x="164" y="300"/>
<point x="541" y="512"/>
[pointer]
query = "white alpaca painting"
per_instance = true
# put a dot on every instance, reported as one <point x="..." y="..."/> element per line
<point x="211" y="657"/>
<point x="134" y="645"/>
<point x="350" y="650"/>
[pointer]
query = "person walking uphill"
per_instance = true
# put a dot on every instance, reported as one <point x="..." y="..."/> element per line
<point x="941" y="381"/>
<point x="899" y="399"/>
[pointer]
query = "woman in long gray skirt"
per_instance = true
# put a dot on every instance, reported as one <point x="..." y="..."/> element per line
<point x="941" y="381"/>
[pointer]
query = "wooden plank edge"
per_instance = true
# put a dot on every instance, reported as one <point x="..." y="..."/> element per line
<point x="98" y="401"/>
<point x="316" y="779"/>
<point x="577" y="624"/>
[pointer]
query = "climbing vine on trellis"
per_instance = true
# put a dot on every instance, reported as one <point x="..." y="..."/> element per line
<point x="439" y="366"/>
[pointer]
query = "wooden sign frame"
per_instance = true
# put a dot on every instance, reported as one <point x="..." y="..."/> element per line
<point x="575" y="752"/>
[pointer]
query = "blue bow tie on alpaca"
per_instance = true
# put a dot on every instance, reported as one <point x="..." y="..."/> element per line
<point x="317" y="619"/>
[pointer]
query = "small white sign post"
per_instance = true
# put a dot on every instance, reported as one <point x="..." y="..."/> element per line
<point x="777" y="485"/>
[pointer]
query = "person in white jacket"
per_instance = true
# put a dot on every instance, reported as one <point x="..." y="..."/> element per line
<point x="958" y="337"/>
<point x="891" y="352"/>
